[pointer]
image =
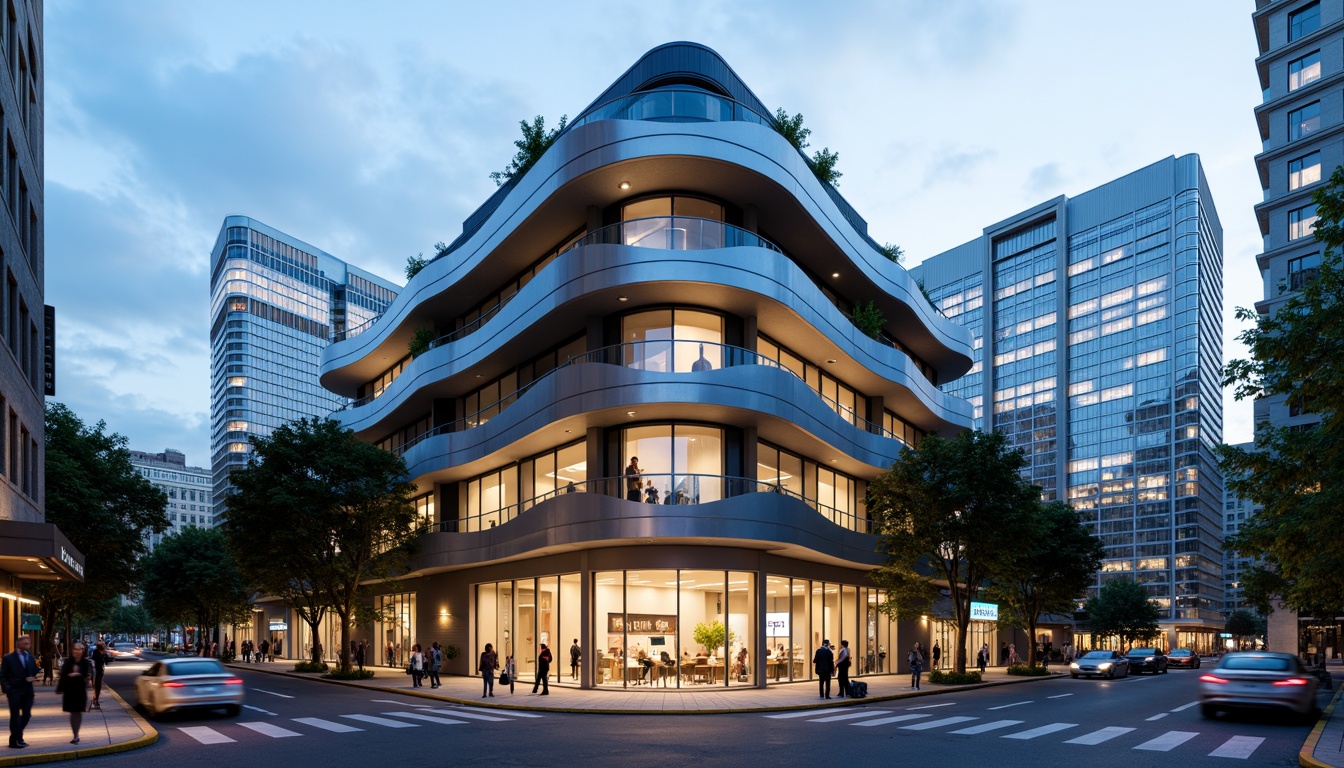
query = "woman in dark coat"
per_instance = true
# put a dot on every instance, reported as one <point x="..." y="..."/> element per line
<point x="73" y="685"/>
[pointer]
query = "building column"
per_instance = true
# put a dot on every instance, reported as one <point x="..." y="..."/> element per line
<point x="761" y="645"/>
<point x="750" y="332"/>
<point x="586" y="634"/>
<point x="596" y="466"/>
<point x="749" y="217"/>
<point x="877" y="409"/>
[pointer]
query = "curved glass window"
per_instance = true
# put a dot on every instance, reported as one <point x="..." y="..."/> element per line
<point x="666" y="464"/>
<point x="672" y="205"/>
<point x="673" y="341"/>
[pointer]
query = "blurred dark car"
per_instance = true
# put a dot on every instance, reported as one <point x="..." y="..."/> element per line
<point x="1183" y="658"/>
<point x="1260" y="680"/>
<point x="1151" y="660"/>
<point x="1100" y="664"/>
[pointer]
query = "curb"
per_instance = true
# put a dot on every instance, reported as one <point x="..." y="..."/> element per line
<point x="150" y="736"/>
<point x="1305" y="756"/>
<point x="593" y="711"/>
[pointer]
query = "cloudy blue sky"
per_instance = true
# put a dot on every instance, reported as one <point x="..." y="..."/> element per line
<point x="372" y="134"/>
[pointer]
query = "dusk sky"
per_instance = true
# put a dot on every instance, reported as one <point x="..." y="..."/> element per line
<point x="370" y="131"/>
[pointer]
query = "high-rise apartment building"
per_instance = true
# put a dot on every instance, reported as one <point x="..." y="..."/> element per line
<point x="188" y="490"/>
<point x="275" y="303"/>
<point x="30" y="548"/>
<point x="1236" y="511"/>
<point x="1098" y="329"/>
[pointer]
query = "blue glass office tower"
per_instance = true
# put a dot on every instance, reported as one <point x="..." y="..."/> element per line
<point x="275" y="304"/>
<point x="1098" y="332"/>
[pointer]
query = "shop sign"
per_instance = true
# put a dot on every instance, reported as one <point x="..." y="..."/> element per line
<point x="279" y="625"/>
<point x="32" y="622"/>
<point x="641" y="623"/>
<point x="777" y="624"/>
<point x="74" y="564"/>
<point x="1225" y="635"/>
<point x="984" y="611"/>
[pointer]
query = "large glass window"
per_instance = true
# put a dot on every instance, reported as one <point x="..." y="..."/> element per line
<point x="1304" y="21"/>
<point x="673" y="340"/>
<point x="564" y="470"/>
<point x="1304" y="121"/>
<point x="1302" y="222"/>
<point x="835" y="495"/>
<point x="1303" y="270"/>
<point x="516" y="617"/>
<point x="1304" y="170"/>
<point x="488" y="500"/>
<point x="1304" y="71"/>
<point x="840" y="397"/>
<point x="394" y="630"/>
<point x="681" y="464"/>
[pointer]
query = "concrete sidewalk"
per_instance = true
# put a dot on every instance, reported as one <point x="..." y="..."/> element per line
<point x="1324" y="748"/>
<point x="114" y="728"/>
<point x="702" y="699"/>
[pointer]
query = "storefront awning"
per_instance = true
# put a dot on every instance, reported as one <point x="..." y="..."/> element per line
<point x="38" y="552"/>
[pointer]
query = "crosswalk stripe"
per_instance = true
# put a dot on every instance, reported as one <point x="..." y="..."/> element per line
<point x="1009" y="706"/>
<point x="1184" y="707"/>
<point x="509" y="713"/>
<point x="1097" y="737"/>
<point x="471" y="715"/>
<point x="850" y="715"/>
<point x="805" y="713"/>
<point x="938" y="723"/>
<point x="426" y="718"/>
<point x="931" y="706"/>
<point x="274" y="731"/>
<point x="985" y="727"/>
<point x="381" y="721"/>
<point x="1156" y="717"/>
<point x="1167" y="741"/>
<point x="206" y="735"/>
<point x="327" y="725"/>
<point x="885" y="720"/>
<point x="1239" y="747"/>
<point x="1043" y="730"/>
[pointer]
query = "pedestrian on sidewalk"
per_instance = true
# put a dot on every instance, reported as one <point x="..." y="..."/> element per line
<point x="937" y="654"/>
<point x="842" y="668"/>
<point x="73" y="684"/>
<point x="823" y="661"/>
<point x="982" y="658"/>
<point x="916" y="660"/>
<point x="359" y="655"/>
<point x="417" y="665"/>
<point x="100" y="659"/>
<point x="510" y="669"/>
<point x="265" y="651"/>
<point x="543" y="671"/>
<point x="435" y="662"/>
<point x="487" y="666"/>
<point x="18" y="672"/>
<point x="574" y="655"/>
<point x="48" y="665"/>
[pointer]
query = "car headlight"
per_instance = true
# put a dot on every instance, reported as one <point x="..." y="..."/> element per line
<point x="1150" y="658"/>
<point x="1074" y="665"/>
<point x="1104" y="665"/>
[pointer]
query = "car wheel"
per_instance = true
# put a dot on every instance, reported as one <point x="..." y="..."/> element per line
<point x="1208" y="710"/>
<point x="1075" y="677"/>
<point x="1110" y="675"/>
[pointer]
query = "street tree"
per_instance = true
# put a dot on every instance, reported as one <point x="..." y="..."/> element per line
<point x="1296" y="473"/>
<point x="103" y="506"/>
<point x="335" y="513"/>
<point x="1243" y="624"/>
<point x="192" y="575"/>
<point x="949" y="514"/>
<point x="1049" y="573"/>
<point x="1122" y="608"/>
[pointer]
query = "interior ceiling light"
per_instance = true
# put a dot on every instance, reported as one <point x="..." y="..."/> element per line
<point x="831" y="361"/>
<point x="835" y="274"/>
<point x="622" y="298"/>
<point x="624" y="185"/>
<point x="629" y="413"/>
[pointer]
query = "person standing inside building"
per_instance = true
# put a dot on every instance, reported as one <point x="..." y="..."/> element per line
<point x="488" y="664"/>
<point x="916" y="660"/>
<point x="823" y="662"/>
<point x="574" y="656"/>
<point x="842" y="668"/>
<point x="73" y="684"/>
<point x="18" y="672"/>
<point x="937" y="654"/>
<point x="543" y="671"/>
<point x="632" y="486"/>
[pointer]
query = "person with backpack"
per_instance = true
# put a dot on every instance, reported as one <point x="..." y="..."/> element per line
<point x="435" y="659"/>
<point x="543" y="671"/>
<point x="916" y="660"/>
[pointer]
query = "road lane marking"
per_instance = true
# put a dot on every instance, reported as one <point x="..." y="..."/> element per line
<point x="426" y="718"/>
<point x="274" y="731"/>
<point x="805" y="713"/>
<point x="938" y="723"/>
<point x="400" y="703"/>
<point x="931" y="706"/>
<point x="273" y="693"/>
<point x="1167" y="741"/>
<point x="1184" y="707"/>
<point x="472" y="715"/>
<point x="850" y="715"/>
<point x="259" y="709"/>
<point x="986" y="727"/>
<point x="1156" y="717"/>
<point x="1097" y="737"/>
<point x="1042" y="731"/>
<point x="885" y="720"/>
<point x="1060" y="696"/>
<point x="1238" y="747"/>
<point x="327" y="725"/>
<point x="1006" y="706"/>
<point x="381" y="721"/>
<point x="206" y="735"/>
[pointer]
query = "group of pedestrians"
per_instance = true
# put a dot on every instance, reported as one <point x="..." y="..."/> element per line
<point x="489" y="664"/>
<point x="425" y="663"/>
<point x="826" y="662"/>
<point x="76" y="677"/>
<point x="255" y="653"/>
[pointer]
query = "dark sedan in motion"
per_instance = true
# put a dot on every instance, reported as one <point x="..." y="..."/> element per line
<point x="1150" y="660"/>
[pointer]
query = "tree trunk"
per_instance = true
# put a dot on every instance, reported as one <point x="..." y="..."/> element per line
<point x="344" y="654"/>
<point x="963" y="625"/>
<point x="1031" y="643"/>
<point x="315" y="649"/>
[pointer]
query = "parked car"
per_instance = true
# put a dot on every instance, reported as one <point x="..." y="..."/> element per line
<point x="1260" y="680"/>
<point x="1100" y="664"/>
<point x="1183" y="658"/>
<point x="1147" y="660"/>
<point x="188" y="683"/>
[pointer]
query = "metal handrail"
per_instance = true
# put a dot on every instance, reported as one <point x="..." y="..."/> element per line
<point x="693" y="105"/>
<point x="696" y="234"/>
<point x="669" y="489"/>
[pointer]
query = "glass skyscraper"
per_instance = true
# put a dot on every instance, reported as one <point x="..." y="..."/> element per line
<point x="1098" y="327"/>
<point x="275" y="303"/>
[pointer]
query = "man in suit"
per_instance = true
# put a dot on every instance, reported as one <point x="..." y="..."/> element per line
<point x="824" y="664"/>
<point x="18" y="672"/>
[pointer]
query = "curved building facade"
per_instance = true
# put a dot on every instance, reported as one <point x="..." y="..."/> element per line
<point x="646" y="422"/>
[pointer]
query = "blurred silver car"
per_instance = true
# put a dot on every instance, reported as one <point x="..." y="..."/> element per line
<point x="1258" y="679"/>
<point x="189" y="683"/>
<point x="1110" y="664"/>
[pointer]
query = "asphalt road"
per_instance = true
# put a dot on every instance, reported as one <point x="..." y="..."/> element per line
<point x="1135" y="722"/>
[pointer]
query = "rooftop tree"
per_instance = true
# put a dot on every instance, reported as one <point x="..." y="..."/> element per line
<point x="534" y="143"/>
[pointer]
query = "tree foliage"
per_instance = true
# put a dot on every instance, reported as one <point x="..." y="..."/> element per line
<point x="1122" y="608"/>
<point x="317" y="515"/>
<point x="949" y="514"/>
<point x="191" y="577"/>
<point x="1297" y="474"/>
<point x="893" y="252"/>
<point x="103" y="506"/>
<point x="414" y="264"/>
<point x="1049" y="572"/>
<point x="534" y="143"/>
<point x="822" y="162"/>
<point x="1242" y="624"/>
<point x="869" y="319"/>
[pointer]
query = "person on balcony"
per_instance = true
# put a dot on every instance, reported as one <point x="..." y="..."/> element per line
<point x="701" y="364"/>
<point x="632" y="484"/>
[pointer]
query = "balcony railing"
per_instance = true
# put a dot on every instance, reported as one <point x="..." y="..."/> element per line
<point x="680" y="489"/>
<point x="675" y="233"/>
<point x="673" y="105"/>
